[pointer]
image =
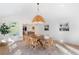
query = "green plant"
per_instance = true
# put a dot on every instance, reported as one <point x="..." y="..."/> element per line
<point x="4" y="29"/>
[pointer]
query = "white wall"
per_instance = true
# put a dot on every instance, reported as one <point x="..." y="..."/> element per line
<point x="54" y="14"/>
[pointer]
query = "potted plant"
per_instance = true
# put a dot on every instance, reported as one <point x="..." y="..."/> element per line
<point x="4" y="29"/>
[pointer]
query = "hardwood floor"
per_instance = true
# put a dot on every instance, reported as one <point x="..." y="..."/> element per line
<point x="20" y="48"/>
<point x="73" y="45"/>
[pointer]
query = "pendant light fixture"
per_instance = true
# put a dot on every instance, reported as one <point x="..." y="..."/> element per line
<point x="38" y="18"/>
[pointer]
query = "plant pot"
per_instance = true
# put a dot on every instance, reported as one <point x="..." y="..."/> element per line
<point x="3" y="41"/>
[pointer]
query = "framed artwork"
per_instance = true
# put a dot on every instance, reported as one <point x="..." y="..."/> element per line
<point x="46" y="27"/>
<point x="64" y="27"/>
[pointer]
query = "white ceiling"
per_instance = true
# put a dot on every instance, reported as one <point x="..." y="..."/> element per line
<point x="46" y="9"/>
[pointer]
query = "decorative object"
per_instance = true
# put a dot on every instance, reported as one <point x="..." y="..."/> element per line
<point x="24" y="29"/>
<point x="33" y="28"/>
<point x="4" y="29"/>
<point x="46" y="27"/>
<point x="64" y="27"/>
<point x="3" y="43"/>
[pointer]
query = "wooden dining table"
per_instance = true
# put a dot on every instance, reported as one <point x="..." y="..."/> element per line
<point x="37" y="41"/>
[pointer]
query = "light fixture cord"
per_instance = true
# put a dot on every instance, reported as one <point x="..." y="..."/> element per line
<point x="37" y="8"/>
